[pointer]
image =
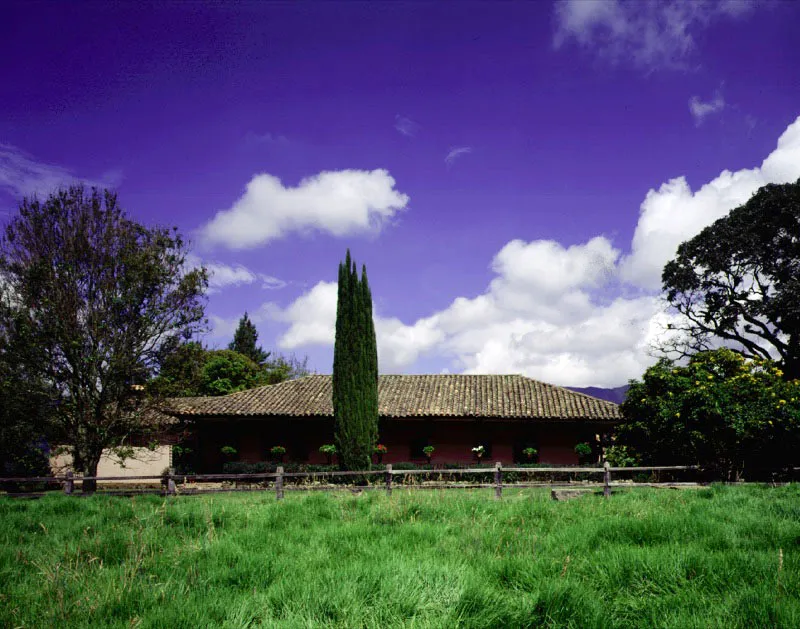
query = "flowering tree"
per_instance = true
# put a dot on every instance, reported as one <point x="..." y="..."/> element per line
<point x="720" y="410"/>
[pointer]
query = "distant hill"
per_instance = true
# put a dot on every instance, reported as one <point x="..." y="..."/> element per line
<point x="616" y="395"/>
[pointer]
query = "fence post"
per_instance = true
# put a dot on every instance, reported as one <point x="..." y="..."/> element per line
<point x="498" y="480"/>
<point x="69" y="485"/>
<point x="279" y="483"/>
<point x="388" y="479"/>
<point x="171" y="488"/>
<point x="606" y="479"/>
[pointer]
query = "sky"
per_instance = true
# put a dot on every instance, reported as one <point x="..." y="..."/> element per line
<point x="513" y="175"/>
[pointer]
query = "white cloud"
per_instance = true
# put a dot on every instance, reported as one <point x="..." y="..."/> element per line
<point x="647" y="33"/>
<point x="22" y="176"/>
<point x="454" y="153"/>
<point x="405" y="126"/>
<point x="221" y="275"/>
<point x="312" y="317"/>
<point x="674" y="213"/>
<point x="700" y="109"/>
<point x="545" y="314"/>
<point x="336" y="202"/>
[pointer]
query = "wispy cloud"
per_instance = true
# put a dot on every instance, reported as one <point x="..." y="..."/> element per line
<point x="649" y="34"/>
<point x="406" y="126"/>
<point x="265" y="138"/>
<point x="22" y="176"/>
<point x="221" y="275"/>
<point x="455" y="153"/>
<point x="700" y="109"/>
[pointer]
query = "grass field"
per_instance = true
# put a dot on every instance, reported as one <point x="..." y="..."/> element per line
<point x="721" y="557"/>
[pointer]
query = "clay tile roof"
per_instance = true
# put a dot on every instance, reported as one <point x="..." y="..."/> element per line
<point x="412" y="396"/>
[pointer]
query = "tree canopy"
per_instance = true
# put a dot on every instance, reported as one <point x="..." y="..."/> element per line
<point x="245" y="339"/>
<point x="722" y="411"/>
<point x="355" y="370"/>
<point x="92" y="299"/>
<point x="192" y="370"/>
<point x="737" y="282"/>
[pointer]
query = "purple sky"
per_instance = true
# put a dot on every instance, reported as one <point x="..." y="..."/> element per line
<point x="509" y="172"/>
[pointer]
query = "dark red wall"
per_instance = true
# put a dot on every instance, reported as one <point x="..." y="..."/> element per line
<point x="452" y="439"/>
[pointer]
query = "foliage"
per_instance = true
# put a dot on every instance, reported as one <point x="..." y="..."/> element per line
<point x="95" y="299"/>
<point x="720" y="557"/>
<point x="277" y="450"/>
<point x="24" y="414"/>
<point x="229" y="451"/>
<point x="478" y="451"/>
<point x="180" y="372"/>
<point x="621" y="456"/>
<point x="428" y="451"/>
<point x="226" y="371"/>
<point x="738" y="281"/>
<point x="583" y="449"/>
<point x="530" y="453"/>
<point x="381" y="449"/>
<point x="720" y="410"/>
<point x="355" y="370"/>
<point x="245" y="339"/>
<point x="328" y="448"/>
<point x="282" y="368"/>
<point x="192" y="370"/>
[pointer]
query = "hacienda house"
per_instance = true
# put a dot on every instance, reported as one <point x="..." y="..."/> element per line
<point x="452" y="413"/>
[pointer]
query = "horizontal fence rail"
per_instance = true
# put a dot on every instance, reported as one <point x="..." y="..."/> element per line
<point x="386" y="479"/>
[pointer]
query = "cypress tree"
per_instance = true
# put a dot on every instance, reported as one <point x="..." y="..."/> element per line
<point x="355" y="370"/>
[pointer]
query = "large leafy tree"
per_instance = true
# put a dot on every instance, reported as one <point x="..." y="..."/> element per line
<point x="245" y="339"/>
<point x="355" y="369"/>
<point x="720" y="410"/>
<point x="737" y="283"/>
<point x="96" y="297"/>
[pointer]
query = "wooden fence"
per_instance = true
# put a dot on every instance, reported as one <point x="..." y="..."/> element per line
<point x="383" y="479"/>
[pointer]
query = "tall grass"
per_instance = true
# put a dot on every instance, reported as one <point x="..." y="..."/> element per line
<point x="722" y="557"/>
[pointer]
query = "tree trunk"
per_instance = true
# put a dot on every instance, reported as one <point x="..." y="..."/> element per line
<point x="86" y="463"/>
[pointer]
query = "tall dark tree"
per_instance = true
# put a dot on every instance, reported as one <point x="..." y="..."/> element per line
<point x="737" y="282"/>
<point x="97" y="297"/>
<point x="355" y="370"/>
<point x="245" y="339"/>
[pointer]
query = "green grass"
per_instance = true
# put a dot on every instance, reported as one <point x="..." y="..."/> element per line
<point x="646" y="558"/>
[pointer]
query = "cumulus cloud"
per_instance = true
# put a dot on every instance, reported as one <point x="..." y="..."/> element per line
<point x="700" y="109"/>
<point x="648" y="33"/>
<point x="22" y="176"/>
<point x="545" y="313"/>
<point x="339" y="203"/>
<point x="454" y="153"/>
<point x="405" y="126"/>
<point x="674" y="213"/>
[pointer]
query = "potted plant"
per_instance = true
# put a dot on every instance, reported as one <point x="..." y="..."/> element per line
<point x="530" y="454"/>
<point x="379" y="451"/>
<point x="428" y="452"/>
<point x="277" y="453"/>
<point x="229" y="452"/>
<point x="478" y="451"/>
<point x="329" y="450"/>
<point x="584" y="451"/>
